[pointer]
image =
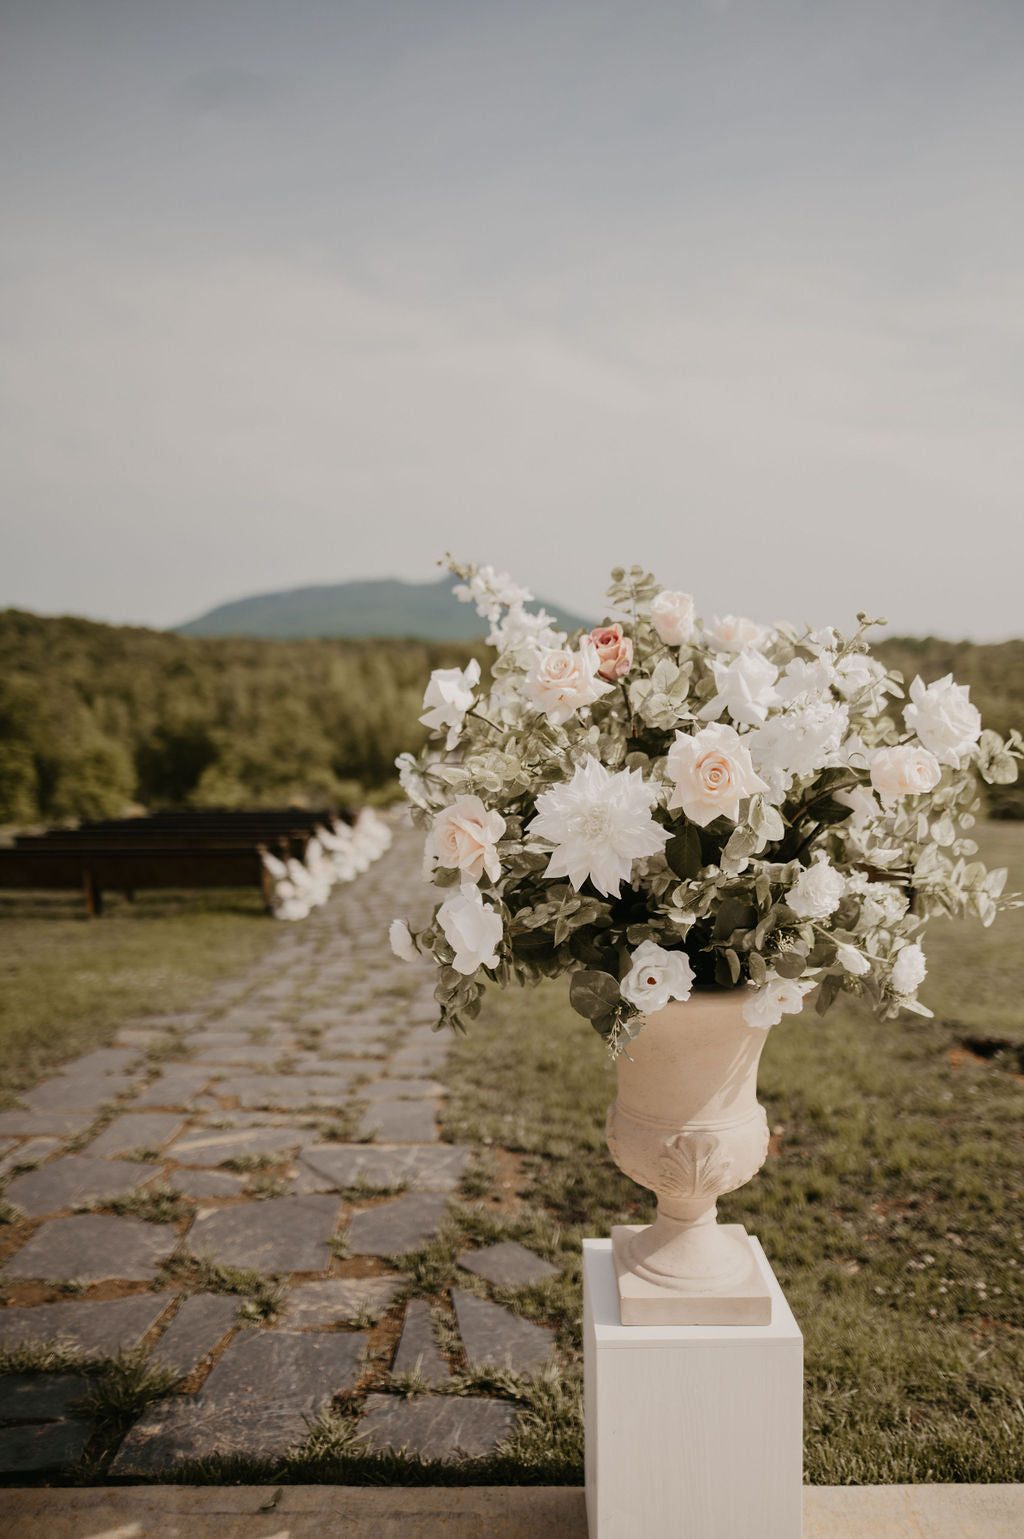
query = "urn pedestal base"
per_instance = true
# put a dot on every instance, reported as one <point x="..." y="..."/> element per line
<point x="692" y="1431"/>
<point x="745" y="1299"/>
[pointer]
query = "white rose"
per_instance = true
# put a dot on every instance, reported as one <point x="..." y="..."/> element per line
<point x="908" y="970"/>
<point x="448" y="697"/>
<point x="882" y="903"/>
<point x="857" y="671"/>
<point x="807" y="679"/>
<point x="473" y="930"/>
<point x="745" y="689"/>
<point x="732" y="633"/>
<point x="464" y="838"/>
<point x="852" y="961"/>
<point x="944" y="719"/>
<point x="777" y="997"/>
<point x="656" y="976"/>
<point x="865" y="807"/>
<point x="818" y="890"/>
<point x="401" y="941"/>
<point x="519" y="629"/>
<point x="562" y="681"/>
<point x="799" y="741"/>
<point x="673" y="618"/>
<point x="907" y="770"/>
<point x="712" y="773"/>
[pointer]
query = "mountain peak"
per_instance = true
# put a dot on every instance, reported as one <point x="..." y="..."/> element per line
<point x="381" y="606"/>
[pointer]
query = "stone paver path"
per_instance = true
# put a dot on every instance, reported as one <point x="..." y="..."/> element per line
<point x="288" y="1128"/>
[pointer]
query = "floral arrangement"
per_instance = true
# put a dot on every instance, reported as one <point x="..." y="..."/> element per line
<point x="666" y="803"/>
<point x="338" y="852"/>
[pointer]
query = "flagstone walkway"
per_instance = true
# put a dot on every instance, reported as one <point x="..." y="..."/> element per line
<point x="289" y="1126"/>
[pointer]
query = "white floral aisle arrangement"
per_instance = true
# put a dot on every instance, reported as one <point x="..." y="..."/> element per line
<point x="338" y="853"/>
<point x="665" y="803"/>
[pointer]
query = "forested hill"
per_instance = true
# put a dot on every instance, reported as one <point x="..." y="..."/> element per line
<point x="386" y="607"/>
<point x="93" y="717"/>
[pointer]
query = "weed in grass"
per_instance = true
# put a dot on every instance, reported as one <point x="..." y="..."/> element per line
<point x="10" y="1213"/>
<point x="246" y="1162"/>
<point x="104" y="1117"/>
<point x="121" y="1390"/>
<point x="447" y="1336"/>
<point x="409" y="1386"/>
<point x="41" y="1356"/>
<point x="169" y="1048"/>
<point x="338" y="1246"/>
<point x="330" y="1434"/>
<point x="361" y="1190"/>
<point x="265" y="1185"/>
<point x="142" y="1156"/>
<point x="366" y="1316"/>
<point x="480" y="1174"/>
<point x="429" y="1270"/>
<point x="343" y="1126"/>
<point x="202" y="1274"/>
<point x="156" y="1205"/>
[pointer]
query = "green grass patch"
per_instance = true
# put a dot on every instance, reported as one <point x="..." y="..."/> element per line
<point x="892" y="1212"/>
<point x="262" y="1297"/>
<point x="156" y="955"/>
<point x="156" y="1205"/>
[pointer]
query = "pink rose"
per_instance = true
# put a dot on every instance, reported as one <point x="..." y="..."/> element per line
<point x="464" y="838"/>
<point x="614" y="649"/>
<point x="713" y="772"/>
<point x="907" y="770"/>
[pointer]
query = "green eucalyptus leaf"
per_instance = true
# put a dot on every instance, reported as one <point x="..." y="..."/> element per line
<point x="823" y="953"/>
<point x="683" y="853"/>
<point x="827" y="992"/>
<point x="593" y="994"/>
<point x="790" y="964"/>
<point x="724" y="971"/>
<point x="733" y="914"/>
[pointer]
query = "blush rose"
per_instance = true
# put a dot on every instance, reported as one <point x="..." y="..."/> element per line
<point x="614" y="649"/>
<point x="907" y="770"/>
<point x="712" y="771"/>
<point x="464" y="837"/>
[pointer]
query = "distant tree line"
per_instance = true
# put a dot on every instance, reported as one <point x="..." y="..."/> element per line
<point x="94" y="717"/>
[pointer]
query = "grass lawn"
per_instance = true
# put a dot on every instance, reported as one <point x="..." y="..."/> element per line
<point x="67" y="982"/>
<point x="891" y="1208"/>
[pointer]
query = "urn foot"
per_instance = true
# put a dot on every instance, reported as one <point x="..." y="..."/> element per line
<point x="737" y="1296"/>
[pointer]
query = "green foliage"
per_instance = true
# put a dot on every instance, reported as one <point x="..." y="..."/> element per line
<point x="95" y="717"/>
<point x="995" y="674"/>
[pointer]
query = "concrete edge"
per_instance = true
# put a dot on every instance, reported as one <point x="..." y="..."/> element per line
<point x="466" y="1512"/>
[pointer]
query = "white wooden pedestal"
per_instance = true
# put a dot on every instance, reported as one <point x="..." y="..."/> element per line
<point x="692" y="1431"/>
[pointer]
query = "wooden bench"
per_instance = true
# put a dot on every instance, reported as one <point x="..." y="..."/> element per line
<point x="91" y="869"/>
<point x="204" y="848"/>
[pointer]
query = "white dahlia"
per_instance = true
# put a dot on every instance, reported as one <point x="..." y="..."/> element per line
<point x="599" y="824"/>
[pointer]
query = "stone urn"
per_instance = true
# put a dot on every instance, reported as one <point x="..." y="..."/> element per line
<point x="687" y="1124"/>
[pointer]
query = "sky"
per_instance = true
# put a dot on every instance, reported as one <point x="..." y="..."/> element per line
<point x="307" y="292"/>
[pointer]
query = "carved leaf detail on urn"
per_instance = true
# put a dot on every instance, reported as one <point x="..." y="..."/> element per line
<point x="694" y="1165"/>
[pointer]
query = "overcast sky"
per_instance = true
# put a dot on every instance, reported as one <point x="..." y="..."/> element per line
<point x="300" y="291"/>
